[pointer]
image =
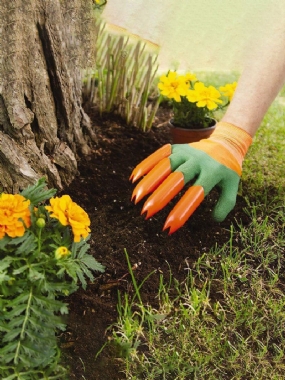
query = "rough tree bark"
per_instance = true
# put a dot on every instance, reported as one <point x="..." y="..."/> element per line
<point x="43" y="128"/>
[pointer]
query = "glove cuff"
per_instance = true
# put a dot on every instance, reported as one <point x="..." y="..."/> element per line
<point x="233" y="138"/>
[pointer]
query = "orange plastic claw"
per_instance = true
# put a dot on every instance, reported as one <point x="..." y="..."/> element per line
<point x="184" y="208"/>
<point x="163" y="194"/>
<point x="150" y="182"/>
<point x="148" y="163"/>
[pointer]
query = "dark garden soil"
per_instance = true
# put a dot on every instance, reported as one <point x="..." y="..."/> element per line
<point x="103" y="189"/>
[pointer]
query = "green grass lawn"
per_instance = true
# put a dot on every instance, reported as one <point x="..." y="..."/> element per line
<point x="227" y="320"/>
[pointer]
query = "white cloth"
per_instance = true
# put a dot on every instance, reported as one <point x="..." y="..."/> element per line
<point x="198" y="35"/>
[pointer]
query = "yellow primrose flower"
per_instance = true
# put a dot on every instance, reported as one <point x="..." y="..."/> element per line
<point x="61" y="252"/>
<point x="205" y="96"/>
<point x="15" y="215"/>
<point x="173" y="86"/>
<point x="69" y="213"/>
<point x="229" y="89"/>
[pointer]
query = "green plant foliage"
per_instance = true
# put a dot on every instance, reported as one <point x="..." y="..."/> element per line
<point x="37" y="270"/>
<point x="122" y="79"/>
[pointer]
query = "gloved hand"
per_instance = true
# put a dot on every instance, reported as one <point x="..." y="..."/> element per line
<point x="215" y="161"/>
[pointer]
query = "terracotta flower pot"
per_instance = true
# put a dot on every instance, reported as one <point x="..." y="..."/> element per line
<point x="185" y="135"/>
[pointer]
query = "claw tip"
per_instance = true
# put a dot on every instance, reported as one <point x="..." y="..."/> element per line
<point x="170" y="231"/>
<point x="147" y="212"/>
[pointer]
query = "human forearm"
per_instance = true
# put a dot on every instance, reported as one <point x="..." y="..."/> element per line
<point x="254" y="96"/>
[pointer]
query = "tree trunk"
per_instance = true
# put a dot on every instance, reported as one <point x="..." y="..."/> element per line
<point x="44" y="44"/>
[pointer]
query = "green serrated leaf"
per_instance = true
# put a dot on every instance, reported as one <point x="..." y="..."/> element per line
<point x="35" y="323"/>
<point x="83" y="250"/>
<point x="5" y="263"/>
<point x="87" y="272"/>
<point x="92" y="263"/>
<point x="46" y="316"/>
<point x="18" y="240"/>
<point x="17" y="310"/>
<point x="82" y="244"/>
<point x="36" y="338"/>
<point x="10" y="347"/>
<point x="20" y="270"/>
<point x="3" y="327"/>
<point x="16" y="321"/>
<point x="81" y="278"/>
<point x="3" y="242"/>
<point x="11" y="335"/>
<point x="70" y="270"/>
<point x="28" y="245"/>
<point x="19" y="300"/>
<point x="48" y="303"/>
<point x="7" y="358"/>
<point x="64" y="309"/>
<point x="34" y="275"/>
<point x="11" y="377"/>
<point x="38" y="193"/>
<point x="4" y="277"/>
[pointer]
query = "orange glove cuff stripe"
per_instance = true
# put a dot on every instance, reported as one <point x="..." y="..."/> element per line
<point x="234" y="139"/>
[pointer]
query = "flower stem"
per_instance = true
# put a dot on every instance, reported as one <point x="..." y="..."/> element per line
<point x="22" y="335"/>
<point x="39" y="240"/>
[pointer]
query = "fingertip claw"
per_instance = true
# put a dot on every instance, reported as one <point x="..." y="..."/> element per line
<point x="152" y="180"/>
<point x="148" y="163"/>
<point x="136" y="174"/>
<point x="138" y="194"/>
<point x="184" y="208"/>
<point x="163" y="194"/>
<point x="172" y="224"/>
<point x="150" y="208"/>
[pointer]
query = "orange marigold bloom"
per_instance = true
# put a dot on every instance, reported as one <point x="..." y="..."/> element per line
<point x="69" y="213"/>
<point x="15" y="215"/>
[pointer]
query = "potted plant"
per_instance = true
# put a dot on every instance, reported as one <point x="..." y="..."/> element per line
<point x="193" y="105"/>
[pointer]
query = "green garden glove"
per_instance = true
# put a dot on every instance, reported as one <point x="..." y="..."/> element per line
<point x="216" y="161"/>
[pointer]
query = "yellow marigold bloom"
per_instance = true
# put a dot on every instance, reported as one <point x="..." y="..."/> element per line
<point x="69" y="213"/>
<point x="229" y="89"/>
<point x="189" y="77"/>
<point x="15" y="215"/>
<point x="204" y="96"/>
<point x="173" y="86"/>
<point x="61" y="252"/>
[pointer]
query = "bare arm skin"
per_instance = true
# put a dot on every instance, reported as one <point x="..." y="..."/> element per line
<point x="262" y="78"/>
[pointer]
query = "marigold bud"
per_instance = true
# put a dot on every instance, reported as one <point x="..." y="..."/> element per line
<point x="41" y="222"/>
<point x="61" y="252"/>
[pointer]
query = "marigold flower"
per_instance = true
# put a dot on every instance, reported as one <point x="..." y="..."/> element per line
<point x="204" y="96"/>
<point x="173" y="86"/>
<point x="69" y="213"/>
<point x="189" y="77"/>
<point x="61" y="252"/>
<point x="15" y="215"/>
<point x="229" y="89"/>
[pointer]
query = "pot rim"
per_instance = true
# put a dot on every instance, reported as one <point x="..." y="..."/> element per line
<point x="192" y="129"/>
